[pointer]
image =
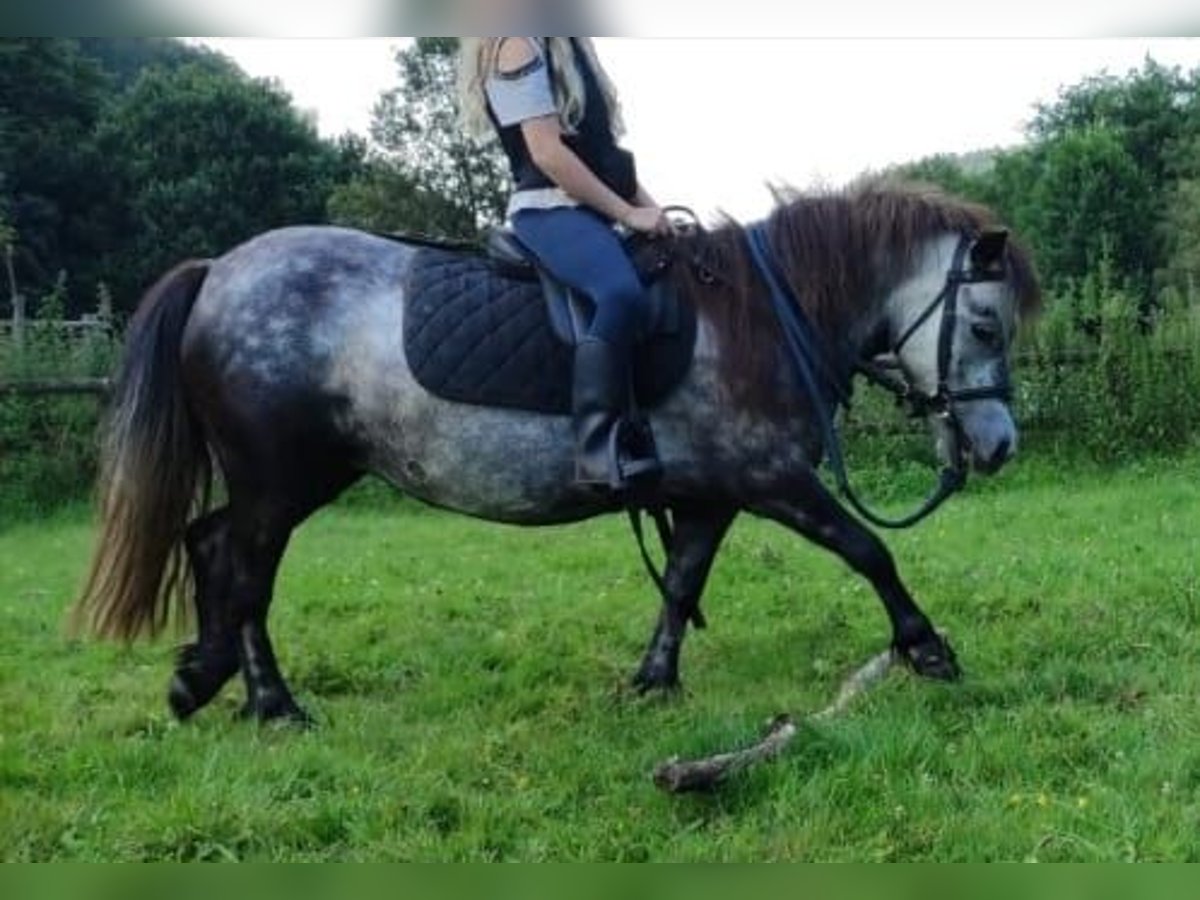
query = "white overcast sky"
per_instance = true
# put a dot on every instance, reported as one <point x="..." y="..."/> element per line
<point x="712" y="120"/>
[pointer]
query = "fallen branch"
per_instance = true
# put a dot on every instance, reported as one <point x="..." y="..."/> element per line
<point x="871" y="673"/>
<point x="678" y="776"/>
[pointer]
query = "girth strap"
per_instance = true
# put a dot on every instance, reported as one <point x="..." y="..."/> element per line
<point x="666" y="536"/>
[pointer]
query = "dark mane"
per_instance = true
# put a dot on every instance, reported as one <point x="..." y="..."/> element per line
<point x="840" y="251"/>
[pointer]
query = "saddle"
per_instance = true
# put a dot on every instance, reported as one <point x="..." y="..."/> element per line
<point x="570" y="312"/>
<point x="487" y="326"/>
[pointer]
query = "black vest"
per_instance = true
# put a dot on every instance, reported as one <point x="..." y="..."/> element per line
<point x="593" y="141"/>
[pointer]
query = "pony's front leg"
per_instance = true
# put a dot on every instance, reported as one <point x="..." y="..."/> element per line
<point x="697" y="535"/>
<point x="813" y="512"/>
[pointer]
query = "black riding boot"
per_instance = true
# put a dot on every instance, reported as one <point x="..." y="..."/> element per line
<point x="609" y="449"/>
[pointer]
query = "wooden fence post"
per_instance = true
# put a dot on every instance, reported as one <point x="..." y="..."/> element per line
<point x="18" y="301"/>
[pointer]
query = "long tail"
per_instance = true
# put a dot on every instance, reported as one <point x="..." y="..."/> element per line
<point x="155" y="472"/>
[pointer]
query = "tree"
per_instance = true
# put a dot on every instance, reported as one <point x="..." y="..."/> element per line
<point x="210" y="158"/>
<point x="1109" y="173"/>
<point x="1090" y="200"/>
<point x="1148" y="109"/>
<point x="944" y="170"/>
<point x="383" y="198"/>
<point x="56" y="189"/>
<point x="1181" y="225"/>
<point x="118" y="156"/>
<point x="1153" y="115"/>
<point x="445" y="183"/>
<point x="125" y="58"/>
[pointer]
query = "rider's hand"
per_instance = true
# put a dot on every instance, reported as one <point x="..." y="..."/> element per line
<point x="649" y="220"/>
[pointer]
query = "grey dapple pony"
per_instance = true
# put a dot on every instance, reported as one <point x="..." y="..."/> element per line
<point x="282" y="362"/>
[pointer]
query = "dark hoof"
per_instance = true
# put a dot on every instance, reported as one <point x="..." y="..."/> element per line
<point x="932" y="658"/>
<point x="649" y="679"/>
<point x="198" y="677"/>
<point x="180" y="697"/>
<point x="277" y="710"/>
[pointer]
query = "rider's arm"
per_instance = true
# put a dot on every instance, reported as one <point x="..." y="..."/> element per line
<point x="563" y="166"/>
<point x="644" y="198"/>
<point x="518" y="59"/>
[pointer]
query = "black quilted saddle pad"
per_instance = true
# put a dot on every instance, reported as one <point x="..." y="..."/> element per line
<point x="473" y="334"/>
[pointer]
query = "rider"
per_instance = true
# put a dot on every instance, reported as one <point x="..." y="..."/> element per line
<point x="556" y="115"/>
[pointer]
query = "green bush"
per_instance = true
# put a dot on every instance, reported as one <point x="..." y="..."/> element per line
<point x="48" y="447"/>
<point x="47" y="453"/>
<point x="1104" y="381"/>
<point x="1095" y="380"/>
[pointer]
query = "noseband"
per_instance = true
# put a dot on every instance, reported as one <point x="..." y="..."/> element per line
<point x="806" y="357"/>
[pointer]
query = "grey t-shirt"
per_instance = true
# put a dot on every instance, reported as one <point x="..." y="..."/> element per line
<point x="524" y="94"/>
<point x="516" y="97"/>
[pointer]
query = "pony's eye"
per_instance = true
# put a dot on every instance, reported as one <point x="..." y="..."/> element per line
<point x="986" y="334"/>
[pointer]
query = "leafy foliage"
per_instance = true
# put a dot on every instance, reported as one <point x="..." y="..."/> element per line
<point x="58" y="189"/>
<point x="124" y="59"/>
<point x="121" y="156"/>
<point x="425" y="171"/>
<point x="382" y="197"/>
<point x="209" y="158"/>
<point x="1181" y="225"/>
<point x="48" y="450"/>
<point x="1108" y="170"/>
<point x="1109" y="211"/>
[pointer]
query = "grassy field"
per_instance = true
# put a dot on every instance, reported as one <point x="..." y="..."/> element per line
<point x="469" y="680"/>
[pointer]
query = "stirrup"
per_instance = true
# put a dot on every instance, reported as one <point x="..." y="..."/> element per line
<point x="624" y="472"/>
<point x="632" y="470"/>
<point x="633" y="436"/>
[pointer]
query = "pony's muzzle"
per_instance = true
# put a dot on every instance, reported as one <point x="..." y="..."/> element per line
<point x="990" y="433"/>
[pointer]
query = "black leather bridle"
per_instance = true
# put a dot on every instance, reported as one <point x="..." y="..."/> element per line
<point x="804" y="351"/>
<point x="942" y="400"/>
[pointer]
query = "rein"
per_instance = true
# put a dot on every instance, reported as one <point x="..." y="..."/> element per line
<point x="804" y="352"/>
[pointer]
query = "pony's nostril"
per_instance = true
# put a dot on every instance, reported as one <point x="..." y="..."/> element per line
<point x="1001" y="453"/>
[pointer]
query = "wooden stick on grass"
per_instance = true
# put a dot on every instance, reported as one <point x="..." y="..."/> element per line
<point x="678" y="776"/>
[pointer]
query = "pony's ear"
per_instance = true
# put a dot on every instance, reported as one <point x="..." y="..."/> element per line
<point x="987" y="253"/>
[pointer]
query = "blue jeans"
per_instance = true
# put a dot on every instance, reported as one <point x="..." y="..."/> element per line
<point x="580" y="249"/>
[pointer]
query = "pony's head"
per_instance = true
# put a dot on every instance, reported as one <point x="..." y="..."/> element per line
<point x="883" y="270"/>
<point x="950" y="327"/>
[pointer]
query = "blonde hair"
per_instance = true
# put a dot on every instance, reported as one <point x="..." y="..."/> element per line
<point x="477" y="62"/>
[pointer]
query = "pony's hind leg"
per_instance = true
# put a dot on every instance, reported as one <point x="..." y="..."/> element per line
<point x="235" y="553"/>
<point x="262" y="521"/>
<point x="259" y="539"/>
<point x="205" y="665"/>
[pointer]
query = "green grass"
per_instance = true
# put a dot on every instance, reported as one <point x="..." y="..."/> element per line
<point x="470" y="684"/>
